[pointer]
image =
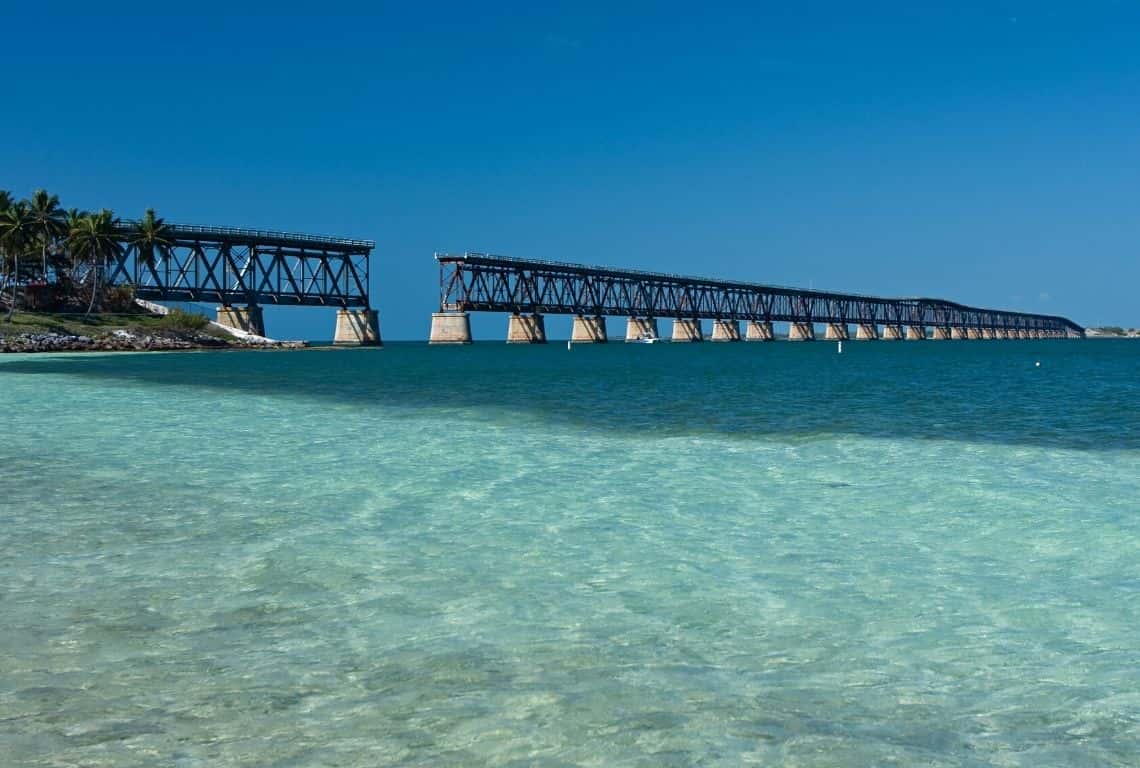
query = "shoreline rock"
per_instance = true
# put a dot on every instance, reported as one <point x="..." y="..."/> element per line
<point x="130" y="341"/>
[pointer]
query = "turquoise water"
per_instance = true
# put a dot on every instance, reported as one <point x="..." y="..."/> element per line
<point x="910" y="554"/>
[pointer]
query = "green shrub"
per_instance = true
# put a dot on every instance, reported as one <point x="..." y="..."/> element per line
<point x="119" y="299"/>
<point x="181" y="320"/>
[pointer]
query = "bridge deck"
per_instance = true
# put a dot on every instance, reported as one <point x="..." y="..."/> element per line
<point x="237" y="235"/>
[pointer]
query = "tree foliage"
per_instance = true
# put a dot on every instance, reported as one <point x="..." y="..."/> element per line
<point x="70" y="248"/>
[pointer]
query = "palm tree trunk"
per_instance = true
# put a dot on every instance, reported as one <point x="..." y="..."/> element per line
<point x="94" y="290"/>
<point x="15" y="285"/>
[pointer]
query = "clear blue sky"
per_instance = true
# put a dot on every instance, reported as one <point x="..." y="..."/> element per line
<point x="981" y="152"/>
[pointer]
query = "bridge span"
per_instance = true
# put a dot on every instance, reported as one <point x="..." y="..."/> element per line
<point x="243" y="269"/>
<point x="529" y="289"/>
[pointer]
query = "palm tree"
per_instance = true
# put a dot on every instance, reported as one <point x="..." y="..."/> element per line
<point x="149" y="234"/>
<point x="15" y="234"/>
<point x="95" y="239"/>
<point x="71" y="220"/>
<point x="47" y="220"/>
<point x="6" y="201"/>
<point x="5" y="204"/>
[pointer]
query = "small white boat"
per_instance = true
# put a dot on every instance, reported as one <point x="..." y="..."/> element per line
<point x="646" y="340"/>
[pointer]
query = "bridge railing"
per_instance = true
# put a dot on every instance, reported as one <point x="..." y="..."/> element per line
<point x="252" y="234"/>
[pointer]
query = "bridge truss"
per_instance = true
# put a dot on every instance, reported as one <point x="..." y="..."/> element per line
<point x="486" y="283"/>
<point x="231" y="266"/>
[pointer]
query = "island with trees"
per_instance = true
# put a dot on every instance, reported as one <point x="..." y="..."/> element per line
<point x="53" y="292"/>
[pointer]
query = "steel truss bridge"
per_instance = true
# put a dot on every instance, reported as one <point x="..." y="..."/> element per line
<point x="487" y="283"/>
<point x="231" y="266"/>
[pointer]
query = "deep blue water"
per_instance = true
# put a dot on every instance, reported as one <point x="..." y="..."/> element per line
<point x="615" y="555"/>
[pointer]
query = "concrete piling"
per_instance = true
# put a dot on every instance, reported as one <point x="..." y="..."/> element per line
<point x="759" y="330"/>
<point x="248" y="319"/>
<point x="836" y="332"/>
<point x="726" y="330"/>
<point x="801" y="332"/>
<point x="641" y="328"/>
<point x="450" y="328"/>
<point x="357" y="327"/>
<point x="687" y="329"/>
<point x="588" y="330"/>
<point x="526" y="329"/>
<point x="361" y="327"/>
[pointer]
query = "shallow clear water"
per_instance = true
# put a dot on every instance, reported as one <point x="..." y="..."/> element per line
<point x="911" y="554"/>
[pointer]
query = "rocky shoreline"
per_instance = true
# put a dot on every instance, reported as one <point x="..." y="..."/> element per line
<point x="131" y="341"/>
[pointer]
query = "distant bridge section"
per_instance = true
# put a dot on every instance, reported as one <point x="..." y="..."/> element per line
<point x="251" y="267"/>
<point x="528" y="289"/>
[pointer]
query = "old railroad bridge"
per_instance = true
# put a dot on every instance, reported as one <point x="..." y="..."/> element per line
<point x="243" y="269"/>
<point x="529" y="289"/>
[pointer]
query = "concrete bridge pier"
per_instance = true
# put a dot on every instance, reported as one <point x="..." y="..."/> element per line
<point x="959" y="333"/>
<point x="836" y="332"/>
<point x="941" y="332"/>
<point x="915" y="332"/>
<point x="973" y="333"/>
<point x="246" y="319"/>
<point x="726" y="330"/>
<point x="1022" y="333"/>
<point x="450" y="328"/>
<point x="892" y="332"/>
<point x="687" y="329"/>
<point x="360" y="327"/>
<point x="759" y="330"/>
<point x="866" y="332"/>
<point x="526" y="329"/>
<point x="801" y="332"/>
<point x="589" y="330"/>
<point x="641" y="328"/>
<point x="988" y="333"/>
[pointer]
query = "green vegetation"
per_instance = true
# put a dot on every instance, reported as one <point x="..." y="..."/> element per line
<point x="56" y="260"/>
<point x="1114" y="331"/>
<point x="181" y="320"/>
<point x="79" y="324"/>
